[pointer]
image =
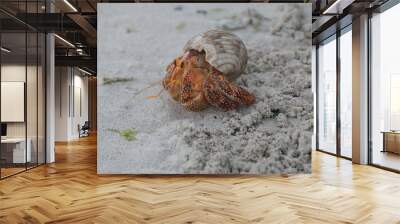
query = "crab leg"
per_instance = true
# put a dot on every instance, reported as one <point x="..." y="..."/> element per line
<point x="223" y="94"/>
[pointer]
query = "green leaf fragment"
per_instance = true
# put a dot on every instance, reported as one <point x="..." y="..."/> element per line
<point x="130" y="30"/>
<point x="181" y="26"/>
<point x="128" y="134"/>
<point x="216" y="10"/>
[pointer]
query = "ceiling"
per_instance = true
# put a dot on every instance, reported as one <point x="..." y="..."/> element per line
<point x="330" y="15"/>
<point x="76" y="22"/>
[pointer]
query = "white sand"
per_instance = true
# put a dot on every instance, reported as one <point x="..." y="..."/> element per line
<point x="138" y="41"/>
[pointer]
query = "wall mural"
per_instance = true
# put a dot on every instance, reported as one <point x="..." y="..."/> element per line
<point x="204" y="88"/>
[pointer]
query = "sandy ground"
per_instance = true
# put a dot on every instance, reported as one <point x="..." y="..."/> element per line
<point x="142" y="136"/>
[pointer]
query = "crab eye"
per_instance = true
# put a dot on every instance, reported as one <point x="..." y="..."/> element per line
<point x="200" y="61"/>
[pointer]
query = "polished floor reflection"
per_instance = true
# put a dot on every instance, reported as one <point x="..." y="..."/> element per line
<point x="70" y="191"/>
<point x="387" y="159"/>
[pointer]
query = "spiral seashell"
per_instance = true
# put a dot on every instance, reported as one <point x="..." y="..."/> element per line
<point x="224" y="51"/>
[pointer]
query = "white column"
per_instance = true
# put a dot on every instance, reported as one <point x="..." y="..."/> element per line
<point x="50" y="92"/>
<point x="50" y="99"/>
<point x="360" y="90"/>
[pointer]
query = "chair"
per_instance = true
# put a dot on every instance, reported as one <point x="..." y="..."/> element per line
<point x="84" y="130"/>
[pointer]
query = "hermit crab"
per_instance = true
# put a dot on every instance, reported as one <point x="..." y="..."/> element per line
<point x="203" y="75"/>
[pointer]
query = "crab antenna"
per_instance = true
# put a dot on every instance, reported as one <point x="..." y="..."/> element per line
<point x="155" y="96"/>
<point x="162" y="90"/>
<point x="148" y="87"/>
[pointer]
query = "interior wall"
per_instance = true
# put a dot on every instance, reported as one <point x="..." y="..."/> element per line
<point x="80" y="109"/>
<point x="92" y="98"/>
<point x="71" y="102"/>
<point x="62" y="80"/>
<point x="14" y="73"/>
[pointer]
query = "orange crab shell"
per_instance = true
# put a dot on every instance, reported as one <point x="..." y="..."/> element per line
<point x="193" y="82"/>
<point x="184" y="83"/>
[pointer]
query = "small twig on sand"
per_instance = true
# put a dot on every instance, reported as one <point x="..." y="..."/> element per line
<point x="158" y="82"/>
<point x="108" y="81"/>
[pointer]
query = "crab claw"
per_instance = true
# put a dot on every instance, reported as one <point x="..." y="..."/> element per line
<point x="223" y="94"/>
<point x="192" y="97"/>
